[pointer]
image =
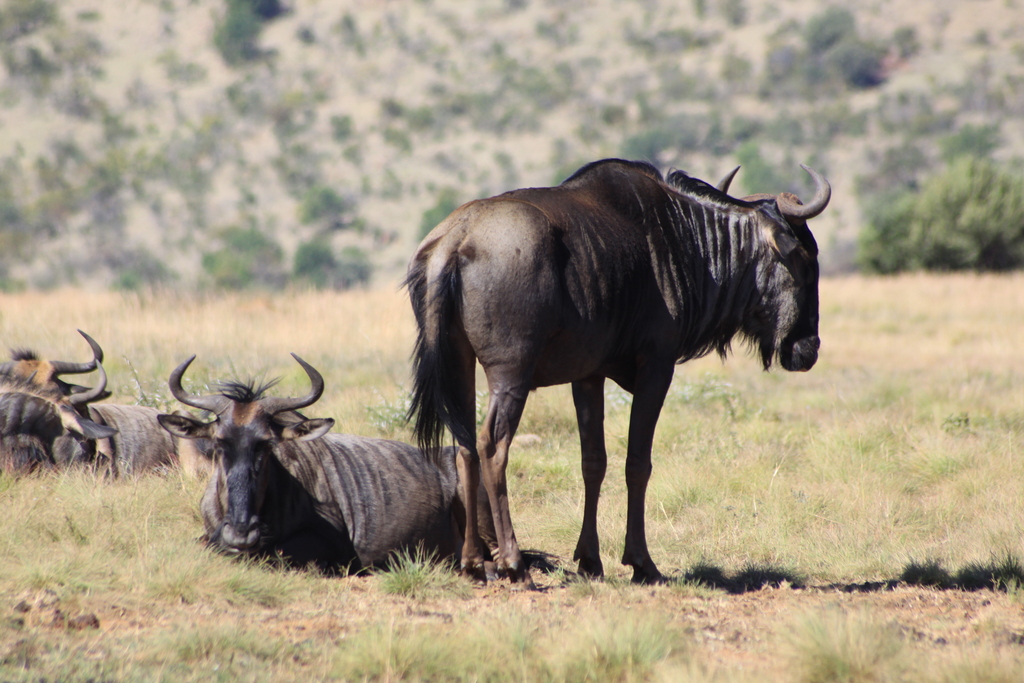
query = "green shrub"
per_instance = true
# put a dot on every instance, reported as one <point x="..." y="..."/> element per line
<point x="826" y="30"/>
<point x="898" y="170"/>
<point x="341" y="128"/>
<point x="758" y="175"/>
<point x="677" y="133"/>
<point x="248" y="258"/>
<point x="22" y="17"/>
<point x="322" y="204"/>
<point x="972" y="141"/>
<point x="316" y="264"/>
<point x="905" y="40"/>
<point x="354" y="268"/>
<point x="236" y="35"/>
<point x="735" y="12"/>
<point x="971" y="217"/>
<point x="447" y="201"/>
<point x="857" y="63"/>
<point x="139" y="269"/>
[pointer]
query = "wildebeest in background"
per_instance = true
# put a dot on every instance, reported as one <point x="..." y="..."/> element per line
<point x="136" y="442"/>
<point x="616" y="273"/>
<point x="282" y="484"/>
<point x="27" y="365"/>
<point x="43" y="420"/>
<point x="141" y="444"/>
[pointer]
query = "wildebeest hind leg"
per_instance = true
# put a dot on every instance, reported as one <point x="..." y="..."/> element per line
<point x="469" y="478"/>
<point x="467" y="461"/>
<point x="588" y="396"/>
<point x="504" y="410"/>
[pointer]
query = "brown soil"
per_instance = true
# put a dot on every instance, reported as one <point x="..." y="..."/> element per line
<point x="745" y="634"/>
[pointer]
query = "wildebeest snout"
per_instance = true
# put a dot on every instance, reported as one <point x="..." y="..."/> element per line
<point x="801" y="355"/>
<point x="243" y="536"/>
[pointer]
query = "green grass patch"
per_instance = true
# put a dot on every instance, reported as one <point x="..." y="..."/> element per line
<point x="421" y="576"/>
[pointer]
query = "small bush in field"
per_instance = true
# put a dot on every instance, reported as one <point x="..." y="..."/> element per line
<point x="22" y="17"/>
<point x="354" y="268"/>
<point x="826" y="30"/>
<point x="236" y="35"/>
<point x="248" y="258"/>
<point x="970" y="141"/>
<point x="322" y="204"/>
<point x="971" y="217"/>
<point x="316" y="264"/>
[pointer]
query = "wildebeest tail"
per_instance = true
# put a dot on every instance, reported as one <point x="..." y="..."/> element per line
<point x="438" y="391"/>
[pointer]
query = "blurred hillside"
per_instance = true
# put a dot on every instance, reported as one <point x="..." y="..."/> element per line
<point x="239" y="143"/>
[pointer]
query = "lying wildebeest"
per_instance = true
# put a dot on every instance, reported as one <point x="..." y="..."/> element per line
<point x="616" y="273"/>
<point x="26" y="365"/>
<point x="135" y="442"/>
<point x="42" y="418"/>
<point x="282" y="485"/>
<point x="141" y="444"/>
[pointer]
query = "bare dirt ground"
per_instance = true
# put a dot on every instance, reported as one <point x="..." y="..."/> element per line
<point x="753" y="635"/>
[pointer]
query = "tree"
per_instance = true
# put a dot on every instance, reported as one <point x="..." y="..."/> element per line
<point x="971" y="217"/>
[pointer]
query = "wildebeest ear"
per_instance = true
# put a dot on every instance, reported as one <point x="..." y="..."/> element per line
<point x="308" y="430"/>
<point x="782" y="240"/>
<point x="185" y="427"/>
<point x="73" y="422"/>
<point x="94" y="430"/>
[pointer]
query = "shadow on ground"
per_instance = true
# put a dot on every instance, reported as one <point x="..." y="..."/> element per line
<point x="1002" y="573"/>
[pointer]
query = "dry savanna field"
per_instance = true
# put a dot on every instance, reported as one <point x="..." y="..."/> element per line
<point x="862" y="521"/>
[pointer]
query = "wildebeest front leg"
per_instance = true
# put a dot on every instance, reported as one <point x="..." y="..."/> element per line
<point x="588" y="396"/>
<point x="503" y="413"/>
<point x="652" y="382"/>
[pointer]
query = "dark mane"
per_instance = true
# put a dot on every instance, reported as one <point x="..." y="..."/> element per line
<point x="685" y="183"/>
<point x="246" y="392"/>
<point x="23" y="354"/>
<point x="644" y="167"/>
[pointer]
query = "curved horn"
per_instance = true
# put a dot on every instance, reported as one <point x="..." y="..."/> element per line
<point x="277" y="405"/>
<point x="822" y="193"/>
<point x="97" y="392"/>
<point x="61" y="367"/>
<point x="212" y="403"/>
<point x="724" y="183"/>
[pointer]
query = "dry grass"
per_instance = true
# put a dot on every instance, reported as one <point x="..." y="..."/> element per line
<point x="898" y="451"/>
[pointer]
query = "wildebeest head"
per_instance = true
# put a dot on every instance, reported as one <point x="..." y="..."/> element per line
<point x="26" y="365"/>
<point x="786" y="324"/>
<point x="39" y="426"/>
<point x="247" y="429"/>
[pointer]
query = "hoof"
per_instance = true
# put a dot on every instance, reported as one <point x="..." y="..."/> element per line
<point x="476" y="572"/>
<point x="648" y="576"/>
<point x="590" y="569"/>
<point x="523" y="581"/>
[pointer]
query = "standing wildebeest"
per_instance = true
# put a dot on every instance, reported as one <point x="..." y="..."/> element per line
<point x="43" y="422"/>
<point x="615" y="273"/>
<point x="282" y="484"/>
